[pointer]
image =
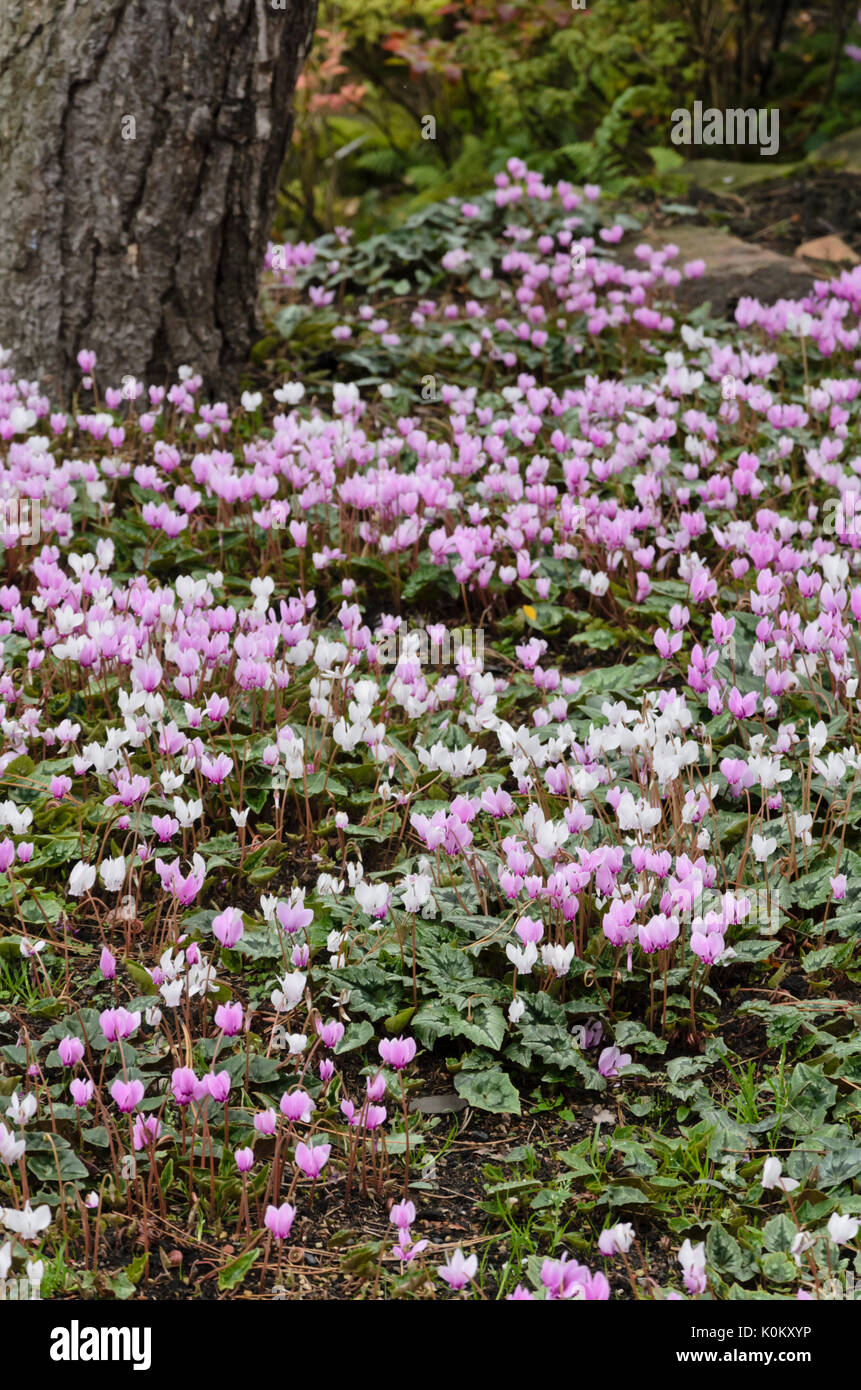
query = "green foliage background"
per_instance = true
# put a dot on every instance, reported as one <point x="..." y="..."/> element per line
<point x="587" y="94"/>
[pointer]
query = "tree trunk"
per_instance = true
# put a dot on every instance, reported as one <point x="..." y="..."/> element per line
<point x="140" y="147"/>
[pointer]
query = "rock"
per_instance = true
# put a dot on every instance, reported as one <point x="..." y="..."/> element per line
<point x="845" y="150"/>
<point x="727" y="175"/>
<point x="438" y="1105"/>
<point x="734" y="268"/>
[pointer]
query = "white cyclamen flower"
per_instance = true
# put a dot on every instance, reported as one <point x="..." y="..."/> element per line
<point x="28" y="1224"/>
<point x="81" y="879"/>
<point x="842" y="1228"/>
<point x="771" y="1176"/>
<point x="112" y="873"/>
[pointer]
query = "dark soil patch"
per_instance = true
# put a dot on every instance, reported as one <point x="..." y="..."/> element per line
<point x="784" y="213"/>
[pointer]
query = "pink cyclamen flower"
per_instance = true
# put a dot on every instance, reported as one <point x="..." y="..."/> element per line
<point x="330" y="1033"/>
<point x="667" y="644"/>
<point x="708" y="947"/>
<point x="118" y="1023"/>
<point x="279" y="1220"/>
<point x="228" y="927"/>
<point x="562" y="1278"/>
<point x="376" y="1088"/>
<point x="165" y="827"/>
<point x="71" y="1050"/>
<point x="312" y="1161"/>
<point x="405" y="1251"/>
<point x="81" y="1092"/>
<point x="692" y="1259"/>
<point x="146" y="1131"/>
<point x="214" y="1084"/>
<point x="611" y="1059"/>
<point x="127" y="1094"/>
<point x="183" y="1084"/>
<point x="742" y="706"/>
<point x="293" y="917"/>
<point x="397" y="1052"/>
<point x="403" y="1215"/>
<point x="228" y="1017"/>
<point x="528" y="929"/>
<point x="616" y="1240"/>
<point x="244" y="1159"/>
<point x="351" y="1114"/>
<point x="459" y="1269"/>
<point x="107" y="964"/>
<point x="595" y="1288"/>
<point x="297" y="1105"/>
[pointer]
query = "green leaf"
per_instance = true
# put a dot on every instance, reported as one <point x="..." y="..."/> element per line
<point x="137" y="1267"/>
<point x="398" y="1022"/>
<point x="488" y="1090"/>
<point x="234" y="1273"/>
<point x="259" y="942"/>
<point x="18" y="773"/>
<point x="779" y="1233"/>
<point x="628" y="677"/>
<point x="558" y="1049"/>
<point x="598" y="637"/>
<point x="450" y="972"/>
<point x="828" y="957"/>
<point x="630" y="1033"/>
<point x="97" y="1136"/>
<point x="289" y="318"/>
<point x="356" y="1036"/>
<point x="372" y="991"/>
<point x="778" y="1268"/>
<point x="45" y="1167"/>
<point x="838" y="1165"/>
<point x="811" y="1096"/>
<point x="486" y="1027"/>
<point x="665" y="160"/>
<point x="120" y="1286"/>
<point x="724" y="1254"/>
<point x="141" y="977"/>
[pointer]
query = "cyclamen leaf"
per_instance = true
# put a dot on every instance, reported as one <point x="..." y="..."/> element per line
<point x="488" y="1090"/>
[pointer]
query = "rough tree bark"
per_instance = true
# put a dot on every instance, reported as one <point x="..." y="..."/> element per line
<point x="140" y="146"/>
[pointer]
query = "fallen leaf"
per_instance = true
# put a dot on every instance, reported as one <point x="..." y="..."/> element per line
<point x="827" y="248"/>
